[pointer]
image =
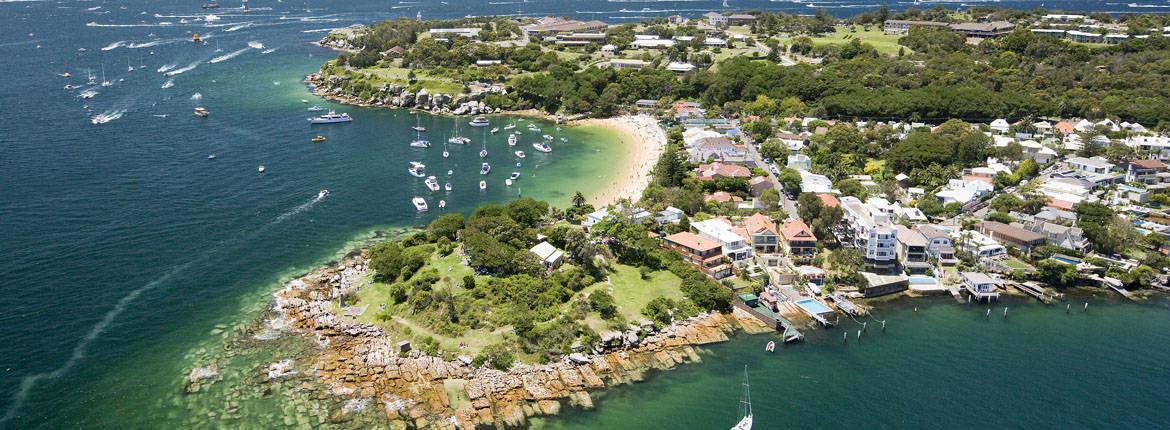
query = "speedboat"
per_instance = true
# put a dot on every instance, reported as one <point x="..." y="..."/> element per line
<point x="418" y="170"/>
<point x="495" y="130"/>
<point x="69" y="87"/>
<point x="419" y="204"/>
<point x="432" y="183"/>
<point x="479" y="121"/>
<point x="260" y="169"/>
<point x="514" y="176"/>
<point x="512" y="140"/>
<point x="442" y="204"/>
<point x="211" y="157"/>
<point x="483" y="153"/>
<point x="485" y="168"/>
<point x="483" y="185"/>
<point x="563" y="140"/>
<point x="201" y="112"/>
<point x="547" y="137"/>
<point x="450" y="172"/>
<point x="771" y="347"/>
<point x="87" y="94"/>
<point x="315" y="108"/>
<point x="330" y="118"/>
<point x="420" y="143"/>
<point x="447" y="187"/>
<point x="542" y="147"/>
<point x="318" y="139"/>
<point x="520" y="154"/>
<point x="321" y="194"/>
<point x="100" y="118"/>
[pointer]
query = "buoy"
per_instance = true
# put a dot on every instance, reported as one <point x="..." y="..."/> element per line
<point x="916" y="309"/>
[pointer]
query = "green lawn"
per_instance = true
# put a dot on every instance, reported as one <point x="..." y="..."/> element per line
<point x="398" y="75"/>
<point x="1016" y="264"/>
<point x="632" y="293"/>
<point x="884" y="43"/>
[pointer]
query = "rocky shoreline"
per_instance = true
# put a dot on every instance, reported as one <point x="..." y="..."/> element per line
<point x="359" y="365"/>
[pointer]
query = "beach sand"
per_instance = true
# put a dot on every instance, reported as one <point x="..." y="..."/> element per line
<point x="644" y="142"/>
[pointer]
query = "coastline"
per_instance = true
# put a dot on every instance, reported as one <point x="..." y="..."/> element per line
<point x="644" y="140"/>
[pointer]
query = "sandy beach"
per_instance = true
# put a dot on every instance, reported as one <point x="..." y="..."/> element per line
<point x="644" y="140"/>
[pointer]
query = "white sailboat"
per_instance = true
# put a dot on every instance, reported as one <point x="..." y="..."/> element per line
<point x="746" y="422"/>
<point x="105" y="83"/>
<point x="457" y="139"/>
<point x="129" y="68"/>
<point x="418" y="141"/>
<point x="418" y="125"/>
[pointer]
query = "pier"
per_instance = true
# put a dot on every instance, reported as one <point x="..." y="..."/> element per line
<point x="1033" y="289"/>
<point x="772" y="319"/>
<point x="847" y="306"/>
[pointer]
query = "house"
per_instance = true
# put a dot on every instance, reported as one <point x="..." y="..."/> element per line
<point x="799" y="162"/>
<point x="1098" y="165"/>
<point x="1000" y="126"/>
<point x="1061" y="235"/>
<point x="1064" y="127"/>
<point x="548" y="254"/>
<point x="556" y="25"/>
<point x="469" y="32"/>
<point x="829" y="200"/>
<point x="670" y="215"/>
<point x="595" y="217"/>
<point x="794" y="142"/>
<point x="878" y="285"/>
<point x="977" y="244"/>
<point x="684" y="110"/>
<point x="580" y="39"/>
<point x="718" y="149"/>
<point x="634" y="215"/>
<point x="871" y="232"/>
<point x="715" y="19"/>
<point x="649" y="41"/>
<point x="980" y="285"/>
<point x="983" y="30"/>
<point x="486" y="63"/>
<point x="646" y="104"/>
<point x="1010" y="235"/>
<point x="762" y="233"/>
<point x="622" y="63"/>
<point x="1148" y="172"/>
<point x="707" y="172"/>
<point x="759" y="184"/>
<point x="609" y="48"/>
<point x="814" y="183"/>
<point x="899" y="26"/>
<point x="912" y="250"/>
<point x="740" y="19"/>
<point x="799" y="241"/>
<point x="715" y="42"/>
<point x="394" y="52"/>
<point x="938" y="244"/>
<point x="700" y="252"/>
<point x="960" y="191"/>
<point x="734" y="247"/>
<point x="1157" y="146"/>
<point x="678" y="67"/>
<point x="722" y="197"/>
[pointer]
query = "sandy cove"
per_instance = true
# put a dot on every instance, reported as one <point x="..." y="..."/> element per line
<point x="359" y="362"/>
<point x="645" y="140"/>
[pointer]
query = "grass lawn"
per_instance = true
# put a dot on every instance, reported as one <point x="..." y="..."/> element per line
<point x="632" y="293"/>
<point x="398" y="75"/>
<point x="884" y="43"/>
<point x="1016" y="264"/>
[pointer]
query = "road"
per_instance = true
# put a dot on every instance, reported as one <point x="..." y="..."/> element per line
<point x="788" y="204"/>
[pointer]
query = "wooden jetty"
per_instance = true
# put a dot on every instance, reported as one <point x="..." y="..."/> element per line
<point x="1033" y="289"/>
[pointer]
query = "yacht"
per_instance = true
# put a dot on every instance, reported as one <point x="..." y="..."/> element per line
<point x="447" y="187"/>
<point x="542" y="147"/>
<point x="201" y="112"/>
<point x="512" y="140"/>
<point x="509" y="126"/>
<point x="483" y="185"/>
<point x="321" y="194"/>
<point x="746" y="422"/>
<point x="315" y="108"/>
<point x="211" y="5"/>
<point x="418" y="125"/>
<point x="260" y="169"/>
<point x="479" y="121"/>
<point x="495" y="130"/>
<point x="331" y="118"/>
<point x="432" y="183"/>
<point x="418" y="170"/>
<point x="485" y="168"/>
<point x="420" y="143"/>
<point x="514" y="176"/>
<point x="211" y="157"/>
<point x="419" y="204"/>
<point x="520" y="154"/>
<point x="457" y="139"/>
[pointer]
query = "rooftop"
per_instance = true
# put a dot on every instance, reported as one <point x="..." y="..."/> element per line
<point x="693" y="241"/>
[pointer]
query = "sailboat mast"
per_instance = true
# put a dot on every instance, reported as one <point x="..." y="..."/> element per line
<point x="747" y="392"/>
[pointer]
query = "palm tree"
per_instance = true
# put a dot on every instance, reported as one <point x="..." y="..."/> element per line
<point x="578" y="199"/>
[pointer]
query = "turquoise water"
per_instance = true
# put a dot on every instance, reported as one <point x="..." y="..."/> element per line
<point x="123" y="246"/>
<point x="813" y="306"/>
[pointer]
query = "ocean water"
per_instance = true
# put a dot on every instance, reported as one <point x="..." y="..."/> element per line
<point x="122" y="246"/>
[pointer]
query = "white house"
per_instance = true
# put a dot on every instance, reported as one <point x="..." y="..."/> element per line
<point x="960" y="191"/>
<point x="814" y="183"/>
<point x="981" y="286"/>
<point x="671" y="215"/>
<point x="549" y="255"/>
<point x="678" y="67"/>
<point x="734" y="246"/>
<point x="715" y="19"/>
<point x="799" y="162"/>
<point x="872" y="233"/>
<point x="1000" y="126"/>
<point x="651" y="42"/>
<point x="1097" y="165"/>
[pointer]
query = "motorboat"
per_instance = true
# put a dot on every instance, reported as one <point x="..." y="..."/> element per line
<point x="514" y="176"/>
<point x="450" y="172"/>
<point x="485" y="168"/>
<point x="315" y="108"/>
<point x="479" y="121"/>
<point x="495" y="130"/>
<point x="512" y="140"/>
<point x="542" y="147"/>
<point x="420" y="143"/>
<point x="447" y="187"/>
<point x="442" y="204"/>
<point x="419" y="128"/>
<point x="331" y="118"/>
<point x="483" y="153"/>
<point x="432" y="183"/>
<point x="260" y="169"/>
<point x="483" y="185"/>
<point x="446" y="154"/>
<point x="201" y="112"/>
<point x="509" y="126"/>
<point x="508" y="182"/>
<point x="771" y="347"/>
<point x="318" y="139"/>
<point x="211" y="5"/>
<point x="459" y="140"/>
<point x="419" y="203"/>
<point x="211" y="157"/>
<point x="547" y="137"/>
<point x="302" y="100"/>
<point x="417" y="169"/>
<point x="87" y="94"/>
<point x="563" y="140"/>
<point x="321" y="194"/>
<point x="520" y="154"/>
<point x="101" y="118"/>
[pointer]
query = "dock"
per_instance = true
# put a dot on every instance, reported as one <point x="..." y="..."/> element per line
<point x="1033" y="289"/>
<point x="954" y="290"/>
<point x="847" y="305"/>
<point x="1113" y="284"/>
<point x="774" y="320"/>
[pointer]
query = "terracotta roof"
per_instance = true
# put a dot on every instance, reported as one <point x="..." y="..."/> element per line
<point x="1064" y="127"/>
<point x="1148" y="164"/>
<point x="797" y="230"/>
<point x="722" y="197"/>
<point x="715" y="170"/>
<point x="1010" y="232"/>
<point x="829" y="200"/>
<point x="692" y="241"/>
<point x="760" y="222"/>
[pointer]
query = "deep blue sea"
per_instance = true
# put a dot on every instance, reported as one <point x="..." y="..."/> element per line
<point x="122" y="245"/>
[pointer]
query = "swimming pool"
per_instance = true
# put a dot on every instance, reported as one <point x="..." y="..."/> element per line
<point x="923" y="280"/>
<point x="813" y="306"/>
<point x="1066" y="259"/>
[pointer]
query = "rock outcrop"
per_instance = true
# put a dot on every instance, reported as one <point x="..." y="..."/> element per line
<point x="335" y="88"/>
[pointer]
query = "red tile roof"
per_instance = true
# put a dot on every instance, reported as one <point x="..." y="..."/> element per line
<point x="797" y="230"/>
<point x="1148" y="164"/>
<point x="829" y="200"/>
<point x="759" y="223"/>
<point x="720" y="170"/>
<point x="722" y="197"/>
<point x="692" y="241"/>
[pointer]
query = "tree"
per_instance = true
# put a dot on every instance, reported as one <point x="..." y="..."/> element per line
<point x="774" y="149"/>
<point x="759" y="130"/>
<point x="930" y="205"/>
<point x="447" y="225"/>
<point x="603" y="303"/>
<point x="527" y="211"/>
<point x="790" y="179"/>
<point x="496" y="356"/>
<point x="386" y="260"/>
<point x="578" y="199"/>
<point x="706" y="293"/>
<point x="1056" y="273"/>
<point x="852" y="187"/>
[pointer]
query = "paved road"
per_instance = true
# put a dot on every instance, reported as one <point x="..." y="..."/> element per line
<point x="788" y="204"/>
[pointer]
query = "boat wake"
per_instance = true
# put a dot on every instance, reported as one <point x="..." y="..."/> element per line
<point x="183" y="70"/>
<point x="228" y="56"/>
<point x="145" y="44"/>
<point x="114" y="45"/>
<point x="255" y="45"/>
<point x="169" y="83"/>
<point x="107" y="116"/>
<point x="197" y="96"/>
<point x="268" y="51"/>
<point x="237" y="27"/>
<point x="167" y="67"/>
<point x="29" y="382"/>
